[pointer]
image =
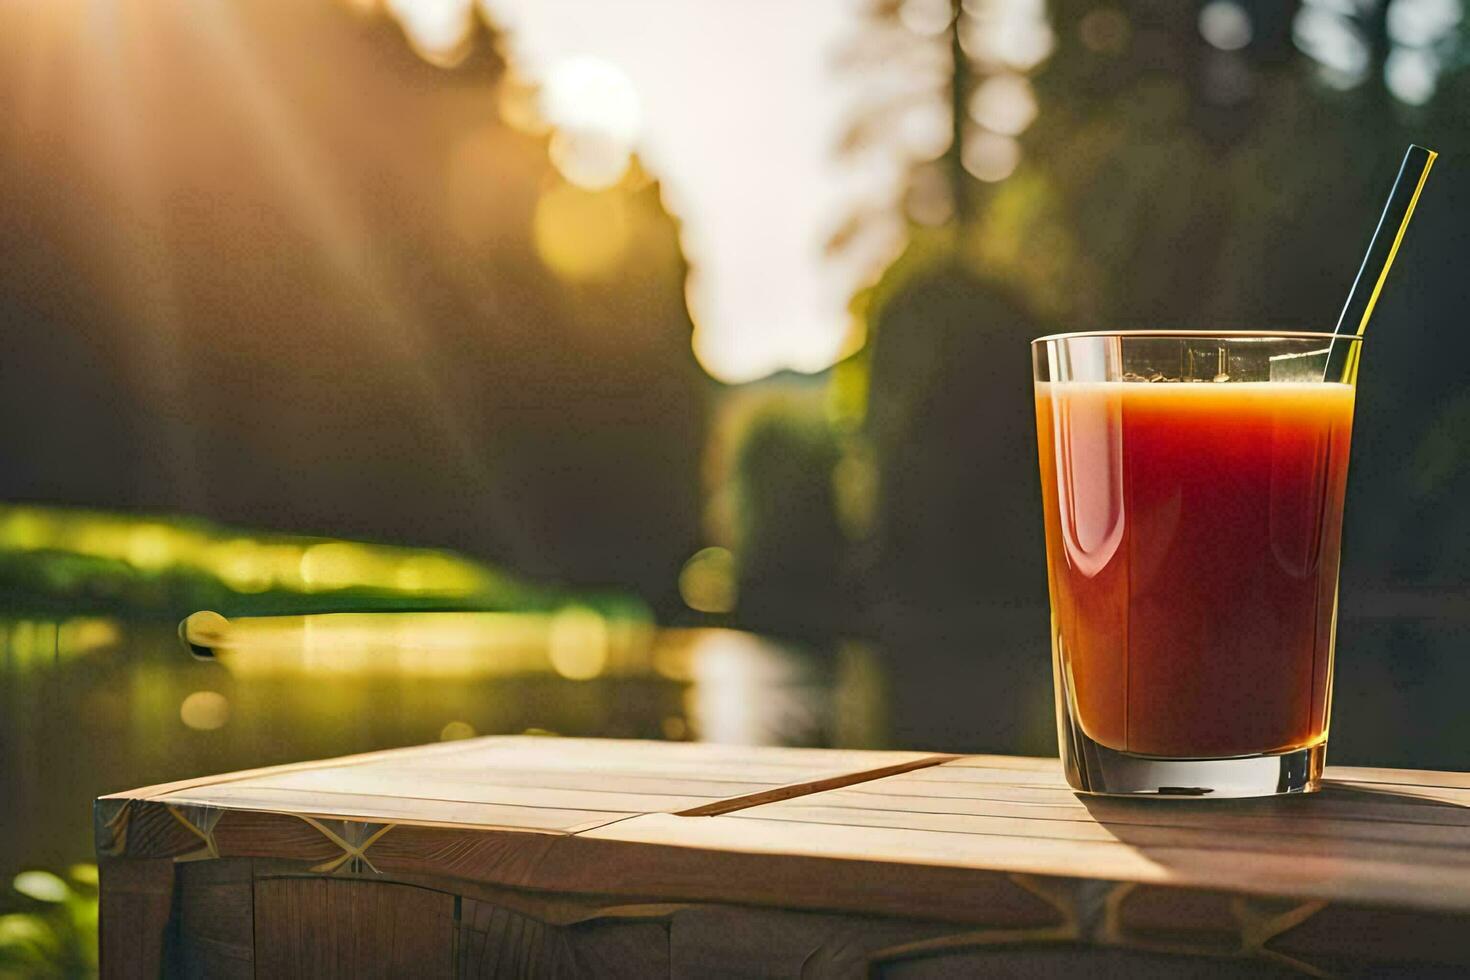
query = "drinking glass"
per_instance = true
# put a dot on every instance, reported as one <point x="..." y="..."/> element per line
<point x="1193" y="487"/>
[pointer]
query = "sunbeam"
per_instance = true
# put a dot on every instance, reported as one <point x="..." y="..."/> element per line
<point x="344" y="238"/>
<point x="123" y="43"/>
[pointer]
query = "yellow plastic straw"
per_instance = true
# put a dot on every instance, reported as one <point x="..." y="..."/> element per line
<point x="1382" y="250"/>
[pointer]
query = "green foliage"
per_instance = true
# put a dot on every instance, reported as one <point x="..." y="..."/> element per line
<point x="48" y="924"/>
<point x="71" y="561"/>
<point x="791" y="544"/>
<point x="950" y="422"/>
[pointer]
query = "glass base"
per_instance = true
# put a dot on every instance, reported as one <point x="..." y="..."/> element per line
<point x="1096" y="769"/>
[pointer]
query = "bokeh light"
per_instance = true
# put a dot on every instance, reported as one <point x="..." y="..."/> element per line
<point x="29" y="643"/>
<point x="1411" y="74"/>
<point x="927" y="129"/>
<point x="205" y="711"/>
<point x="1421" y="33"/>
<point x="1328" y="36"/>
<point x="1225" y="24"/>
<point x="745" y="690"/>
<point x="1006" y="33"/>
<point x="577" y="643"/>
<point x="990" y="157"/>
<point x="1003" y="104"/>
<point x="456" y="730"/>
<point x="757" y="190"/>
<point x="581" y="234"/>
<point x="707" y="581"/>
<point x="596" y="115"/>
<point x="41" y="886"/>
<point x="926" y="18"/>
<point x="440" y="31"/>
<point x="929" y="200"/>
<point x="1419" y="23"/>
<point x="518" y="102"/>
<point x="591" y="160"/>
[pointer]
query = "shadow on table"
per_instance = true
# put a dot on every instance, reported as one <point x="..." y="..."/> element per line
<point x="1353" y="879"/>
<point x="1342" y="811"/>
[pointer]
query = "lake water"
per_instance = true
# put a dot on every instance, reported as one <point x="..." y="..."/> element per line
<point x="90" y="706"/>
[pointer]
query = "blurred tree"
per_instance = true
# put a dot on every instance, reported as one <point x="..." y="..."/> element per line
<point x="1170" y="164"/>
<point x="266" y="265"/>
<point x="952" y="429"/>
<point x="793" y="575"/>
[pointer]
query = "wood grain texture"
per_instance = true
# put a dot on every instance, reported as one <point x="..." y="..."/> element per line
<point x="134" y="917"/>
<point x="1345" y="941"/>
<point x="1074" y="960"/>
<point x="563" y="785"/>
<point x="576" y="857"/>
<point x="1370" y="837"/>
<point x="728" y="941"/>
<point x="329" y="928"/>
<point x="496" y="942"/>
<point x="214" y="915"/>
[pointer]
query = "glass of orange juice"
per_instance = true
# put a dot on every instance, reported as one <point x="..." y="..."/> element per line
<point x="1193" y="490"/>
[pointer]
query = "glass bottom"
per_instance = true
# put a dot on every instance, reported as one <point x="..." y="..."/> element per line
<point x="1096" y="769"/>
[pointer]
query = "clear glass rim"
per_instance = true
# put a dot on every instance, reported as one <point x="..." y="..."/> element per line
<point x="1223" y="334"/>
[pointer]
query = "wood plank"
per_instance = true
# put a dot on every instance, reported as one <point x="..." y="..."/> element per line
<point x="1448" y="795"/>
<point x="1051" y="779"/>
<point x="1341" y="939"/>
<point x="871" y="833"/>
<point x="1333" y="803"/>
<point x="1025" y="792"/>
<point x="214" y="912"/>
<point x="1322" y="820"/>
<point x="540" y="784"/>
<point x="1397" y="777"/>
<point x="1022" y="763"/>
<point x="1051" y="768"/>
<point x="1065" y="960"/>
<point x="586" y="864"/>
<point x="724" y="941"/>
<point x="1368" y="795"/>
<point x="495" y="941"/>
<point x="1387" y="846"/>
<point x="808" y="788"/>
<point x="159" y="789"/>
<point x="392" y="809"/>
<point x="634" y="756"/>
<point x="1436" y="885"/>
<point x="575" y="865"/>
<point x="597" y="791"/>
<point x="134" y="911"/>
<point x="349" y="928"/>
<point x="693" y="781"/>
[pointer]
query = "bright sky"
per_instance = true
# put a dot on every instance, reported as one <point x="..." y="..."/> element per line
<point x="739" y="110"/>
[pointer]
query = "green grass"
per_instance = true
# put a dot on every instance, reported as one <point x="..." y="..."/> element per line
<point x="67" y="561"/>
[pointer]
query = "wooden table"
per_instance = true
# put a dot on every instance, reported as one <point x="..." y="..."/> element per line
<point x="565" y="857"/>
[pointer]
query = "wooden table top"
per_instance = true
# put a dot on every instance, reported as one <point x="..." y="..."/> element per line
<point x="885" y="832"/>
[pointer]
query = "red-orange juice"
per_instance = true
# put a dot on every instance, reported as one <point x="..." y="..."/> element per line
<point x="1192" y="536"/>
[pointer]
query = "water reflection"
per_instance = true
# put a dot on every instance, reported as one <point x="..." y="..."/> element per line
<point x="93" y="705"/>
<point x="743" y="690"/>
<point x="90" y="706"/>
